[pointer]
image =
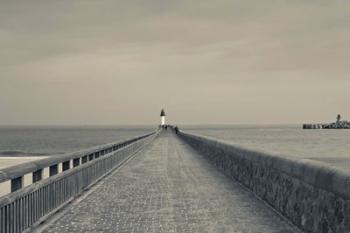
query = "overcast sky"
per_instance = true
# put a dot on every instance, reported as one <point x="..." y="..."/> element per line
<point x="204" y="61"/>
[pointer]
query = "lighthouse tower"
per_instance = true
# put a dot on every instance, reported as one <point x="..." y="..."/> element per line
<point x="162" y="118"/>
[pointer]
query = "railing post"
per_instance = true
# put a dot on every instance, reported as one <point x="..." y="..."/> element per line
<point x="66" y="165"/>
<point x="37" y="175"/>
<point x="53" y="170"/>
<point x="16" y="183"/>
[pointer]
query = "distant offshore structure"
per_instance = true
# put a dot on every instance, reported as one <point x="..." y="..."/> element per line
<point x="339" y="124"/>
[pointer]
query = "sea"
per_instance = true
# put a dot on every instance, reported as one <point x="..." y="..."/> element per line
<point x="22" y="144"/>
<point x="28" y="143"/>
<point x="331" y="146"/>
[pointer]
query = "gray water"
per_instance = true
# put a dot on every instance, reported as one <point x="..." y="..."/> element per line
<point x="23" y="144"/>
<point x="46" y="141"/>
<point x="329" y="146"/>
<point x="332" y="146"/>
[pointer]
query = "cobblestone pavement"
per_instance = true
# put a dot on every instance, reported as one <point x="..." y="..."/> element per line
<point x="168" y="187"/>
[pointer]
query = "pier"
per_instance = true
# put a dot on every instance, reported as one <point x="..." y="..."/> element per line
<point x="168" y="182"/>
<point x="339" y="124"/>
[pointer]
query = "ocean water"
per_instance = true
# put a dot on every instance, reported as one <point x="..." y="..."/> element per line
<point x="24" y="144"/>
<point x="329" y="146"/>
<point x="46" y="141"/>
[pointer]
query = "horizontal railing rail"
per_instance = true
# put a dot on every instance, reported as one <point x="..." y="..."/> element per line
<point x="26" y="207"/>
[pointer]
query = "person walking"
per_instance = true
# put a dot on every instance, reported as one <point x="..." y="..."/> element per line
<point x="176" y="129"/>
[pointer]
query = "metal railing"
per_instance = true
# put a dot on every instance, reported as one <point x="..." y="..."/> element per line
<point x="26" y="207"/>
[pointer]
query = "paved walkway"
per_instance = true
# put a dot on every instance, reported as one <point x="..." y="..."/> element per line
<point x="168" y="187"/>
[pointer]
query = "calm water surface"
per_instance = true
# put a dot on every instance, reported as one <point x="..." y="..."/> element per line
<point x="23" y="144"/>
<point x="31" y="142"/>
<point x="330" y="146"/>
<point x="16" y="141"/>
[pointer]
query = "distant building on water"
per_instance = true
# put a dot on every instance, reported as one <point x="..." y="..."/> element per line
<point x="339" y="124"/>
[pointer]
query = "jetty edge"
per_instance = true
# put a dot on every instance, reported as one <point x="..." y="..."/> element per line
<point x="312" y="195"/>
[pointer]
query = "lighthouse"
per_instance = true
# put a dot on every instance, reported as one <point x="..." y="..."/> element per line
<point x="162" y="117"/>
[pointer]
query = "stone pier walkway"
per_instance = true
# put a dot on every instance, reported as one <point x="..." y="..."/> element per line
<point x="168" y="187"/>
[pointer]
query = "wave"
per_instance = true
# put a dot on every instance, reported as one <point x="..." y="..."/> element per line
<point x="21" y="153"/>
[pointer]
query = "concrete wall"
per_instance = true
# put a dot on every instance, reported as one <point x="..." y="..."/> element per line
<point x="312" y="195"/>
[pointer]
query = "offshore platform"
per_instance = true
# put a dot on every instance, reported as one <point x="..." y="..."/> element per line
<point x="339" y="124"/>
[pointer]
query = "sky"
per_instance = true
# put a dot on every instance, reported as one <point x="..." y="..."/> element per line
<point x="84" y="62"/>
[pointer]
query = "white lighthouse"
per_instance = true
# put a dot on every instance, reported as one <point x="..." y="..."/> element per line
<point x="162" y="118"/>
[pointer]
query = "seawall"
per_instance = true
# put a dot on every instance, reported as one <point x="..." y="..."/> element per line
<point x="312" y="195"/>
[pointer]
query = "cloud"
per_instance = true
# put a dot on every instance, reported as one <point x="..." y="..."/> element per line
<point x="149" y="54"/>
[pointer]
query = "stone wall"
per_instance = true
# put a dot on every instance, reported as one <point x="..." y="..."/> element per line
<point x="312" y="195"/>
